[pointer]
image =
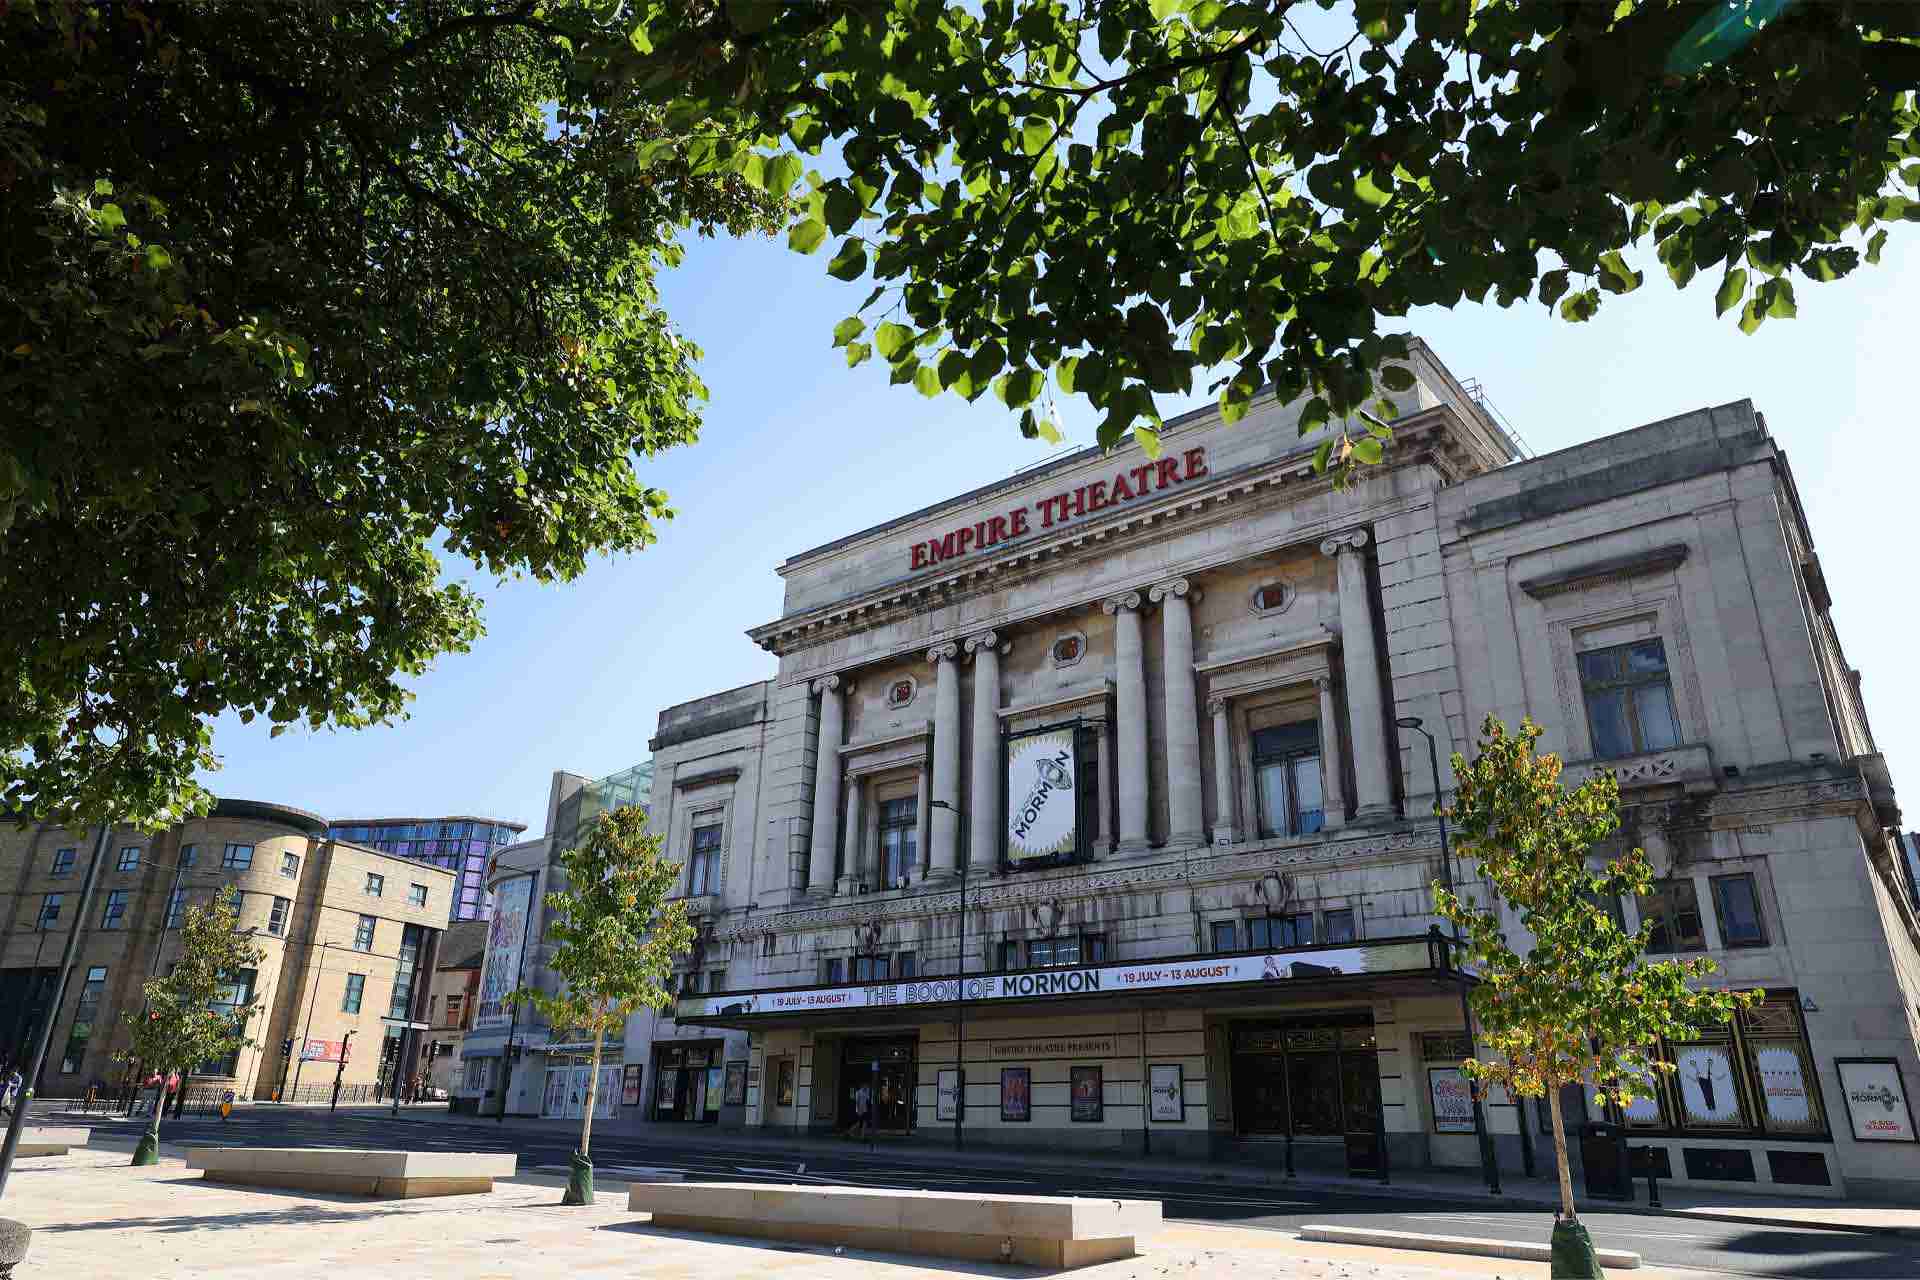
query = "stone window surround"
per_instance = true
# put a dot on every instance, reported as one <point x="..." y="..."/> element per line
<point x="1701" y="873"/>
<point x="1053" y="647"/>
<point x="1294" y="668"/>
<point x="1289" y="594"/>
<point x="875" y="769"/>
<point x="703" y="812"/>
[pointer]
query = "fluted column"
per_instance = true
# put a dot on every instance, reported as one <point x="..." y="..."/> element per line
<point x="1186" y="824"/>
<point x="826" y="784"/>
<point x="1223" y="823"/>
<point x="852" y="872"/>
<point x="1333" y="787"/>
<point x="1360" y="664"/>
<point x="983" y="803"/>
<point x="923" y="839"/>
<point x="1130" y="696"/>
<point x="945" y="823"/>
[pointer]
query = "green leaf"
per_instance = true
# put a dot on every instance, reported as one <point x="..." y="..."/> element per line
<point x="1064" y="371"/>
<point x="851" y="262"/>
<point x="1753" y="315"/>
<point x="1018" y="387"/>
<point x="1164" y="9"/>
<point x="1371" y="195"/>
<point x="102" y="187"/>
<point x="1396" y="377"/>
<point x="1874" y="246"/>
<point x="1732" y="288"/>
<point x="805" y="237"/>
<point x="1148" y="438"/>
<point x="849" y="329"/>
<point x="857" y="353"/>
<point x="1048" y="425"/>
<point x="1035" y="134"/>
<point x="1616" y="276"/>
<point x="890" y="339"/>
<point x="1368" y="450"/>
<point x="1781" y="307"/>
<point x="782" y="172"/>
<point x="926" y="380"/>
<point x="1580" y="307"/>
<point x="1553" y="286"/>
<point x="111" y="217"/>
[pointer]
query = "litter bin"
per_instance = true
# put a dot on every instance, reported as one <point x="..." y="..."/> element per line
<point x="1603" y="1152"/>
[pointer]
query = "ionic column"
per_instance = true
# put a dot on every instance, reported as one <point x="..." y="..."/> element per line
<point x="1186" y="824"/>
<point x="1105" y="820"/>
<point x="826" y="784"/>
<point x="1333" y="788"/>
<point x="923" y="839"/>
<point x="1360" y="663"/>
<point x="1223" y="832"/>
<point x="852" y="872"/>
<point x="1130" y="689"/>
<point x="983" y="804"/>
<point x="945" y="823"/>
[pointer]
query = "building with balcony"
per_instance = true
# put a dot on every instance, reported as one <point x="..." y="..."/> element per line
<point x="461" y="844"/>
<point x="1092" y="808"/>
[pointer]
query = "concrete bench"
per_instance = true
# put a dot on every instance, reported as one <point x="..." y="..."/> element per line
<point x="1039" y="1231"/>
<point x="45" y="1141"/>
<point x="388" y="1175"/>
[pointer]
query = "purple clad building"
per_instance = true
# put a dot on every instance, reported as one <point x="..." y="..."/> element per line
<point x="462" y="844"/>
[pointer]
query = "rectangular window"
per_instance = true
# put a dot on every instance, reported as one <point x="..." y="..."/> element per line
<point x="1629" y="696"/>
<point x="130" y="857"/>
<point x="455" y="1005"/>
<point x="376" y="884"/>
<point x="417" y="895"/>
<point x="62" y="862"/>
<point x="717" y="980"/>
<point x="400" y="1004"/>
<point x="50" y="909"/>
<point x="690" y="983"/>
<point x="235" y="998"/>
<point x="1053" y="953"/>
<point x="1286" y="779"/>
<point x="1294" y="930"/>
<point x="277" y="918"/>
<point x="1093" y="948"/>
<point x="906" y="965"/>
<point x="834" y="970"/>
<point x="363" y="934"/>
<point x="289" y="866"/>
<point x="356" y="990"/>
<point x="236" y="857"/>
<point x="189" y="855"/>
<point x="1337" y="926"/>
<point x="115" y="911"/>
<point x="872" y="969"/>
<point x="1673" y="911"/>
<point x="1226" y="937"/>
<point x="1736" y="904"/>
<point x="703" y="861"/>
<point x="84" y="1012"/>
<point x="176" y="907"/>
<point x="899" y="841"/>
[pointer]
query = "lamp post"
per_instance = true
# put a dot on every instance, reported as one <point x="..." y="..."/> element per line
<point x="960" y="979"/>
<point x="1489" y="1166"/>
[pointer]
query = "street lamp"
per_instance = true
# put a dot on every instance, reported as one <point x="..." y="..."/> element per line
<point x="960" y="978"/>
<point x="1489" y="1167"/>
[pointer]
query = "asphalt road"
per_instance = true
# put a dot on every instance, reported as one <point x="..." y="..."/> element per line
<point x="1721" y="1248"/>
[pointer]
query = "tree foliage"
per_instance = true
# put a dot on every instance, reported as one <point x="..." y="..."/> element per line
<point x="1130" y="193"/>
<point x="289" y="294"/>
<point x="1583" y="1003"/>
<point x="191" y="1016"/>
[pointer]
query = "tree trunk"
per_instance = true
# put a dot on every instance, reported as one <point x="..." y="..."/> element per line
<point x="593" y="1090"/>
<point x="1560" y="1154"/>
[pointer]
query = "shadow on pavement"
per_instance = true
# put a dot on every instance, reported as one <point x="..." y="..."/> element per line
<point x="958" y="1266"/>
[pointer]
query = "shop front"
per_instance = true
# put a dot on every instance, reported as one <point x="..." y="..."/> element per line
<point x="884" y="1067"/>
<point x="1312" y="1081"/>
<point x="571" y="1086"/>
<point x="689" y="1082"/>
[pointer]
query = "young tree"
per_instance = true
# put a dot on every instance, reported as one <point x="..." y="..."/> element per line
<point x="1583" y="1004"/>
<point x="1136" y="192"/>
<point x="192" y="1014"/>
<point x="615" y="936"/>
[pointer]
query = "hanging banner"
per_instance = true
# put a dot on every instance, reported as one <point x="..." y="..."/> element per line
<point x="323" y="1050"/>
<point x="506" y="935"/>
<point x="1040" y="800"/>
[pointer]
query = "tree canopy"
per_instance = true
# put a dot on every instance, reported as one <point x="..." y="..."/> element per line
<point x="291" y="295"/>
<point x="1131" y="193"/>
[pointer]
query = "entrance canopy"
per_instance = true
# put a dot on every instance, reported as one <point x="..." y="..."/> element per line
<point x="1403" y="966"/>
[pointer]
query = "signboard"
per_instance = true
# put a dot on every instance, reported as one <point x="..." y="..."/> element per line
<point x="783" y="1083"/>
<point x="1087" y="1047"/>
<point x="506" y="935"/>
<point x="1089" y="1094"/>
<point x="1166" y="1092"/>
<point x="1016" y="1094"/>
<point x="1708" y="1095"/>
<point x="1877" y="1103"/>
<point x="946" y="1104"/>
<point x="1783" y="1089"/>
<point x="323" y="1050"/>
<point x="1359" y="959"/>
<point x="630" y="1085"/>
<point x="1452" y="1100"/>
<point x="735" y="1093"/>
<point x="1040" y="801"/>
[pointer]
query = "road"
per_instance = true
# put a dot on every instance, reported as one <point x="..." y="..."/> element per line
<point x="1721" y="1248"/>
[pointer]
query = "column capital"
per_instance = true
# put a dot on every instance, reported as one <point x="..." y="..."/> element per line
<point x="832" y="684"/>
<point x="1127" y="600"/>
<point x="1217" y="704"/>
<point x="1351" y="540"/>
<point x="1323" y="683"/>
<point x="987" y="640"/>
<point x="1172" y="587"/>
<point x="943" y="653"/>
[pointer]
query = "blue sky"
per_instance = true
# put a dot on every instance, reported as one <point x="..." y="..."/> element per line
<point x="798" y="450"/>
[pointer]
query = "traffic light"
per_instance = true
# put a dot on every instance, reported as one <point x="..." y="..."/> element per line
<point x="286" y="1047"/>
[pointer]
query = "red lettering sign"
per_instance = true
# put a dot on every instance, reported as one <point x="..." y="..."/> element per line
<point x="1058" y="508"/>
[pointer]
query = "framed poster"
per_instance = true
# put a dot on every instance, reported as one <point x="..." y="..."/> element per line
<point x="1089" y="1095"/>
<point x="946" y="1104"/>
<point x="1042" y="814"/>
<point x="1709" y="1097"/>
<point x="630" y="1085"/>
<point x="735" y="1092"/>
<point x="1877" y="1103"/>
<point x="1016" y="1094"/>
<point x="1166" y="1092"/>
<point x="1452" y="1098"/>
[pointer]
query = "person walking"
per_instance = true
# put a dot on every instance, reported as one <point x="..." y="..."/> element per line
<point x="863" y="1114"/>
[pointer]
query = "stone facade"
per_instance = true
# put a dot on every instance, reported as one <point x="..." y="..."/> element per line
<point x="1231" y="646"/>
<point x="304" y="895"/>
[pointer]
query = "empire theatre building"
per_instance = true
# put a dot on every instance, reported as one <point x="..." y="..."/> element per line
<point x="1094" y="808"/>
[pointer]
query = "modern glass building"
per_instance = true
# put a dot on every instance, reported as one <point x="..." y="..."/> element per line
<point x="577" y="811"/>
<point x="461" y="844"/>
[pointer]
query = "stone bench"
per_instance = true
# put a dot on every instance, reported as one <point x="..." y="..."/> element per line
<point x="1039" y="1231"/>
<point x="388" y="1175"/>
<point x="46" y="1141"/>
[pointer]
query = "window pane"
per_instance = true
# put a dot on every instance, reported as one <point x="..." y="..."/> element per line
<point x="1306" y="794"/>
<point x="1066" y="951"/>
<point x="908" y="965"/>
<point x="1659" y="727"/>
<point x="1607" y="714"/>
<point x="1224" y="935"/>
<point x="1260" y="932"/>
<point x="1339" y="926"/>
<point x="1295" y="930"/>
<point x="1039" y="953"/>
<point x="1270" y="782"/>
<point x="1603" y="665"/>
<point x="1647" y="658"/>
<point x="1739" y="911"/>
<point x="1095" y="949"/>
